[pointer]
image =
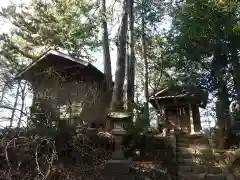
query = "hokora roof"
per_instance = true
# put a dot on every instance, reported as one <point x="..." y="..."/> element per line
<point x="166" y="92"/>
<point x="52" y="52"/>
<point x="179" y="92"/>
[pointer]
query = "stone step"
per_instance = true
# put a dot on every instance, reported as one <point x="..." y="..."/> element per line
<point x="196" y="151"/>
<point x="205" y="156"/>
<point x="184" y="155"/>
<point x="200" y="169"/>
<point x="215" y="170"/>
<point x="236" y="175"/>
<point x="186" y="150"/>
<point x="216" y="177"/>
<point x="191" y="176"/>
<point x="182" y="161"/>
<point x="200" y="176"/>
<point x="184" y="168"/>
<point x="193" y="146"/>
<point x="191" y="136"/>
<point x="180" y="144"/>
<point x="191" y="140"/>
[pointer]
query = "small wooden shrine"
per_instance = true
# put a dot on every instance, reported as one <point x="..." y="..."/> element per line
<point x="66" y="88"/>
<point x="179" y="108"/>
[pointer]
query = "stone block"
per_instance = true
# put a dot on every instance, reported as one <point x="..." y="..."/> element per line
<point x="126" y="177"/>
<point x="216" y="177"/>
<point x="185" y="161"/>
<point x="184" y="168"/>
<point x="172" y="169"/>
<point x="186" y="150"/>
<point x="215" y="170"/>
<point x="183" y="155"/>
<point x="225" y="169"/>
<point x="199" y="140"/>
<point x="232" y="177"/>
<point x="199" y="169"/>
<point x="191" y="176"/>
<point x="181" y="144"/>
<point x="116" y="167"/>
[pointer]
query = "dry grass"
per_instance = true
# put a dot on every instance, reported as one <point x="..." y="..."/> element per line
<point x="25" y="155"/>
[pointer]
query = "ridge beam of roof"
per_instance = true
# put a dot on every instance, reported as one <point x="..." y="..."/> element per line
<point x="165" y="97"/>
<point x="56" y="53"/>
<point x="162" y="91"/>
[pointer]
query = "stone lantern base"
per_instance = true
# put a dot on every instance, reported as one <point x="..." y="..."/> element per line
<point x="118" y="170"/>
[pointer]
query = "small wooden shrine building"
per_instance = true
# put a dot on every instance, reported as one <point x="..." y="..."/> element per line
<point x="179" y="108"/>
<point x="66" y="88"/>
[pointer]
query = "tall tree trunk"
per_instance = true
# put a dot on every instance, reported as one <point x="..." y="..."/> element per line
<point x="106" y="53"/>
<point x="4" y="89"/>
<point x="15" y="103"/>
<point x="235" y="69"/>
<point x="131" y="60"/>
<point x="23" y="96"/>
<point x="146" y="93"/>
<point x="117" y="98"/>
<point x="222" y="113"/>
<point x="107" y="62"/>
<point x="222" y="104"/>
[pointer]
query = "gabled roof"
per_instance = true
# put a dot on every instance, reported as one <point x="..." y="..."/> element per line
<point x="52" y="52"/>
<point x="168" y="92"/>
<point x="189" y="93"/>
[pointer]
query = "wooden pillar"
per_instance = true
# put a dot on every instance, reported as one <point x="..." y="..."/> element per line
<point x="163" y="113"/>
<point x="55" y="97"/>
<point x="160" y="109"/>
<point x="191" y="119"/>
<point x="197" y="120"/>
<point x="178" y="119"/>
<point x="165" y="123"/>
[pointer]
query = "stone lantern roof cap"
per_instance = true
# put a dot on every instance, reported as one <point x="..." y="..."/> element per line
<point x="118" y="115"/>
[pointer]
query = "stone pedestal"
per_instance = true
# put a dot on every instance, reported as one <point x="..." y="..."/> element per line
<point x="118" y="153"/>
<point x="118" y="170"/>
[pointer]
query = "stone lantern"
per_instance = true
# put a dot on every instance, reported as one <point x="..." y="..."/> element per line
<point x="119" y="167"/>
<point x="119" y="119"/>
